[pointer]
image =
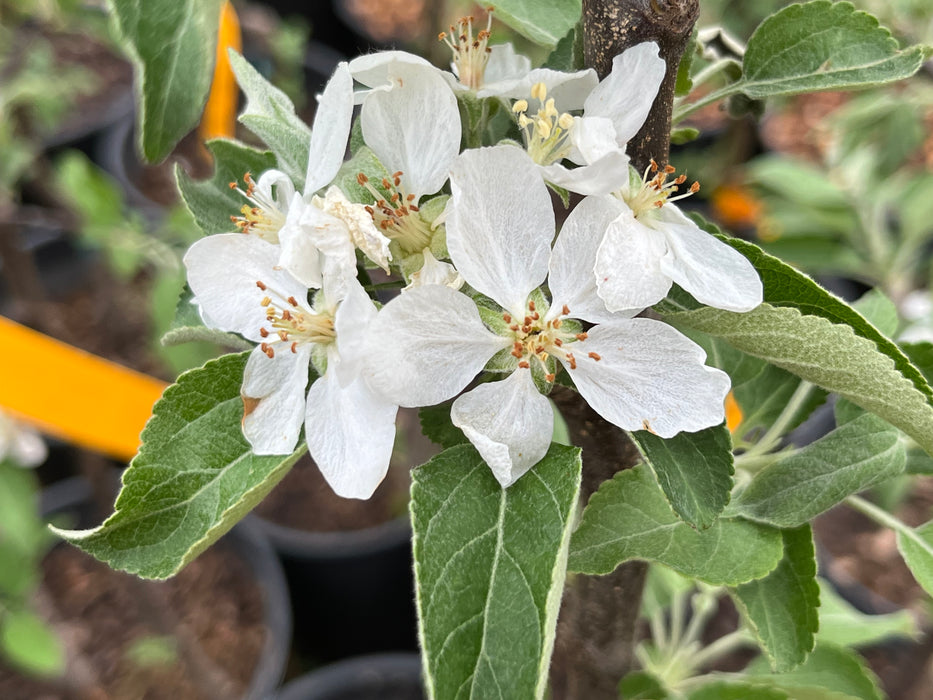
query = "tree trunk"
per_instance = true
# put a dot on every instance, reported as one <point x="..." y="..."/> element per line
<point x="599" y="614"/>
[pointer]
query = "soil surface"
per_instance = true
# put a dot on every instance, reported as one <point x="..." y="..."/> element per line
<point x="209" y="619"/>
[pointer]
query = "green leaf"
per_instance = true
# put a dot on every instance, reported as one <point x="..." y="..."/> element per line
<point x="822" y="45"/>
<point x="781" y="608"/>
<point x="684" y="83"/>
<point x="192" y="480"/>
<point x="270" y="115"/>
<point x="859" y="454"/>
<point x="363" y="161"/>
<point x="567" y="56"/>
<point x="543" y="23"/>
<point x="785" y="286"/>
<point x="830" y="355"/>
<point x="694" y="470"/>
<point x="916" y="546"/>
<point x="842" y="624"/>
<point x="438" y="428"/>
<point x="173" y="47"/>
<point x="490" y="565"/>
<point x="641" y="685"/>
<point x="684" y="134"/>
<point x="921" y="354"/>
<point x="878" y="310"/>
<point x="212" y="202"/>
<point x="629" y="518"/>
<point x="28" y="642"/>
<point x="736" y="690"/>
<point x="829" y="672"/>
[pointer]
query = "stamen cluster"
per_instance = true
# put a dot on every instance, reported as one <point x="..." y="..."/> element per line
<point x="537" y="338"/>
<point x="397" y="216"/>
<point x="291" y="324"/>
<point x="547" y="133"/>
<point x="261" y="217"/>
<point x="655" y="191"/>
<point x="470" y="54"/>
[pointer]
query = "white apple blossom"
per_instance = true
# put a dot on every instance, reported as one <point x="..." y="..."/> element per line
<point x="649" y="244"/>
<point x="19" y="444"/>
<point x="483" y="70"/>
<point x="349" y="429"/>
<point x="428" y="344"/>
<point x="317" y="235"/>
<point x="612" y="114"/>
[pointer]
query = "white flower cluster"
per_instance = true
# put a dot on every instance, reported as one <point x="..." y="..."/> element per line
<point x="490" y="287"/>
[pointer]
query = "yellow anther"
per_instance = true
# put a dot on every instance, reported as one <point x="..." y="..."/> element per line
<point x="539" y="91"/>
<point x="520" y="106"/>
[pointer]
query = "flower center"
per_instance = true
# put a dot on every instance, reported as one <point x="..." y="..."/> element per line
<point x="538" y="337"/>
<point x="547" y="134"/>
<point x="397" y="216"/>
<point x="654" y="190"/>
<point x="470" y="54"/>
<point x="289" y="324"/>
<point x="262" y="216"/>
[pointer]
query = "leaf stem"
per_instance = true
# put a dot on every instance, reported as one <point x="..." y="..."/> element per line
<point x="773" y="436"/>
<point x="723" y="645"/>
<point x="883" y="517"/>
<point x="683" y="111"/>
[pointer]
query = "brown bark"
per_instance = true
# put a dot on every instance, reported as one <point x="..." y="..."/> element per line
<point x="598" y="619"/>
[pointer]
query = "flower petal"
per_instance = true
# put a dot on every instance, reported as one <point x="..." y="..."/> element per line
<point x="223" y="271"/>
<point x="504" y="64"/>
<point x="605" y="175"/>
<point x="426" y="345"/>
<point x="627" y="93"/>
<point x="376" y="70"/>
<point x="350" y="432"/>
<point x="500" y="224"/>
<point x="509" y="422"/>
<point x="274" y="400"/>
<point x="628" y="264"/>
<point x="713" y="272"/>
<point x="593" y="138"/>
<point x="569" y="90"/>
<point x="649" y="377"/>
<point x="415" y="128"/>
<point x="351" y="322"/>
<point x="435" y="271"/>
<point x="331" y="130"/>
<point x="363" y="232"/>
<point x="571" y="279"/>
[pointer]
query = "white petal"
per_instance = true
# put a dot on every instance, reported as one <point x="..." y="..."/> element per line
<point x="500" y="224"/>
<point x="415" y="128"/>
<point x="275" y="189"/>
<point x="628" y="265"/>
<point x="223" y="271"/>
<point x="504" y="64"/>
<point x="274" y="400"/>
<point x="299" y="251"/>
<point x="350" y="432"/>
<point x="331" y="130"/>
<point x="713" y="272"/>
<point x="593" y="138"/>
<point x="649" y="376"/>
<point x="509" y="422"/>
<point x="627" y="93"/>
<point x="569" y="90"/>
<point x="435" y="271"/>
<point x="426" y="345"/>
<point x="377" y="69"/>
<point x="351" y="322"/>
<point x="363" y="232"/>
<point x="571" y="279"/>
<point x="605" y="175"/>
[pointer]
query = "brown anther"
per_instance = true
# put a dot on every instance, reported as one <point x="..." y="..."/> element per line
<point x="395" y="197"/>
<point x="670" y="169"/>
<point x="293" y="301"/>
<point x="513" y="327"/>
<point x="386" y="185"/>
<point x="595" y="356"/>
<point x="654" y="165"/>
<point x="572" y="360"/>
<point x="412" y="207"/>
<point x="535" y="316"/>
<point x="270" y="353"/>
<point x="557" y="323"/>
<point x="694" y="188"/>
<point x="361" y="178"/>
<point x="539" y="349"/>
<point x="531" y="305"/>
<point x="681" y="179"/>
<point x="286" y="315"/>
<point x="558" y="342"/>
<point x="381" y="204"/>
<point x="442" y="36"/>
<point x="236" y="221"/>
<point x="265" y="301"/>
<point x="283" y="335"/>
<point x="397" y="181"/>
<point x="263" y="332"/>
<point x="369" y="209"/>
<point x="659" y="203"/>
<point x="565" y="310"/>
<point x="527" y="321"/>
<point x="260" y="285"/>
<point x="294" y="346"/>
<point x="233" y="185"/>
<point x="645" y="424"/>
<point x="410" y="198"/>
<point x="581" y="336"/>
<point x="549" y="377"/>
<point x="507" y="318"/>
<point x="524" y="364"/>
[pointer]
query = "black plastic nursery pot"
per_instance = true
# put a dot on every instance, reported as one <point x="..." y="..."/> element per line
<point x="72" y="499"/>
<point x="376" y="677"/>
<point x="352" y="591"/>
